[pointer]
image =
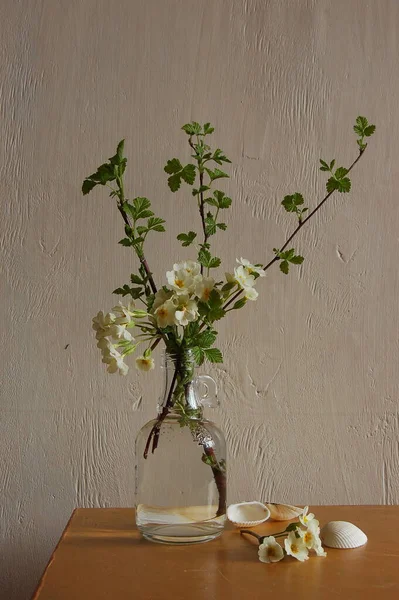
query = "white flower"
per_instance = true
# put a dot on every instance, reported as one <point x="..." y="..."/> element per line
<point x="230" y="278"/>
<point x="270" y="551"/>
<point x="105" y="345"/>
<point x="113" y="359"/>
<point x="180" y="281"/>
<point x="320" y="550"/>
<point x="296" y="547"/>
<point x="123" y="314"/>
<point x="204" y="288"/>
<point x="144" y="363"/>
<point x="250" y="267"/>
<point x="160" y="298"/>
<point x="312" y="539"/>
<point x="250" y="293"/>
<point x="190" y="267"/>
<point x="186" y="311"/>
<point x="119" y="332"/>
<point x="165" y="313"/>
<point x="306" y="518"/>
<point x="243" y="277"/>
<point x="116" y="365"/>
<point x="101" y="324"/>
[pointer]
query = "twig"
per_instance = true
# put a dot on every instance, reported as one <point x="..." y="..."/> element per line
<point x="293" y="234"/>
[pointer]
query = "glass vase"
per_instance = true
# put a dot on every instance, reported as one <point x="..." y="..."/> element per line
<point x="181" y="461"/>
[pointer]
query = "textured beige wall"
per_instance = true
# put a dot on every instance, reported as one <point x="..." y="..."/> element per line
<point x="310" y="384"/>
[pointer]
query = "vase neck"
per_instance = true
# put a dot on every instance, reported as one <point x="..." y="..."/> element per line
<point x="179" y="383"/>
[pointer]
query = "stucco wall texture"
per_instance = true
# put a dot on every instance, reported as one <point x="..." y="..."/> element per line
<point x="309" y="387"/>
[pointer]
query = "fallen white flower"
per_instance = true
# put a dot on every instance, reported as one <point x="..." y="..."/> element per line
<point x="270" y="551"/>
<point x="296" y="547"/>
<point x="306" y="518"/>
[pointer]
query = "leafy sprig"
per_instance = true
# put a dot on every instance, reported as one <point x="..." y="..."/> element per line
<point x="203" y="157"/>
<point x="363" y="129"/>
<point x="288" y="257"/>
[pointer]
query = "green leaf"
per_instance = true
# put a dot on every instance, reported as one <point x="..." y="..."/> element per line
<point x="240" y="303"/>
<point x="88" y="185"/>
<point x="324" y="165"/>
<point x="228" y="286"/>
<point x="188" y="174"/>
<point x="369" y="130"/>
<point x="173" y="166"/>
<point x="332" y="184"/>
<point x="291" y="203"/>
<point x="340" y="173"/>
<point x="141" y="229"/>
<point x="213" y="355"/>
<point x="344" y="185"/>
<point x="198" y="355"/>
<point x="222" y="226"/>
<point x="201" y="190"/>
<point x="214" y="262"/>
<point x="136" y="279"/>
<point x="204" y="257"/>
<point x="125" y="242"/>
<point x="208" y="129"/>
<point x="210" y="225"/>
<point x="206" y="339"/>
<point x="120" y="148"/>
<point x="293" y="526"/>
<point x="155" y="224"/>
<point x="192" y="128"/>
<point x="187" y="238"/>
<point x="138" y="209"/>
<point x="126" y="290"/>
<point x="216" y="174"/>
<point x="332" y="163"/>
<point x="178" y="172"/>
<point x="122" y="291"/>
<point x="219" y="157"/>
<point x="174" y="182"/>
<point x="284" y="267"/>
<point x="225" y="202"/>
<point x="361" y="124"/>
<point x="212" y="202"/>
<point x="297" y="260"/>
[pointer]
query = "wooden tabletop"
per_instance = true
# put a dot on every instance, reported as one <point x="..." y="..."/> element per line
<point x="102" y="556"/>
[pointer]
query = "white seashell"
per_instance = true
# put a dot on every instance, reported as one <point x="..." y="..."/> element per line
<point x="341" y="534"/>
<point x="284" y="512"/>
<point x="248" y="514"/>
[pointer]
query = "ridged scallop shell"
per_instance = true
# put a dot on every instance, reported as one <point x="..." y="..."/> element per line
<point x="341" y="534"/>
<point x="284" y="512"/>
<point x="248" y="514"/>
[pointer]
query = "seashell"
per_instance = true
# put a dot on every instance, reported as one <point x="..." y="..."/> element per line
<point x="284" y="512"/>
<point x="248" y="514"/>
<point x="341" y="534"/>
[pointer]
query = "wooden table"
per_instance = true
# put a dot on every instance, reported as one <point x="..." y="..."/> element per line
<point x="102" y="556"/>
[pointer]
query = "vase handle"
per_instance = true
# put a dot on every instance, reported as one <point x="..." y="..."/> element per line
<point x="206" y="391"/>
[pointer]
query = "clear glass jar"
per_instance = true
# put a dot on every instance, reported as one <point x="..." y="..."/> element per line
<point x="181" y="461"/>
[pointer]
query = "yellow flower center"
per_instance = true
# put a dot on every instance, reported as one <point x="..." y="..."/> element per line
<point x="307" y="537"/>
<point x="294" y="548"/>
<point x="206" y="294"/>
<point x="272" y="551"/>
<point x="179" y="283"/>
<point x="162" y="312"/>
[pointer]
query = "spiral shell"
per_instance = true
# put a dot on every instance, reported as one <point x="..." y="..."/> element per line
<point x="341" y="534"/>
<point x="248" y="514"/>
<point x="284" y="512"/>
